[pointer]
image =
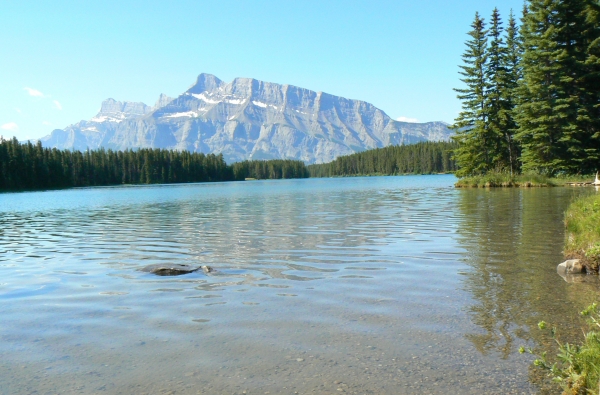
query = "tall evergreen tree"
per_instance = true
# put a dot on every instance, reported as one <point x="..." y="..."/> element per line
<point x="497" y="107"/>
<point x="472" y="134"/>
<point x="509" y="96"/>
<point x="554" y="125"/>
<point x="591" y="83"/>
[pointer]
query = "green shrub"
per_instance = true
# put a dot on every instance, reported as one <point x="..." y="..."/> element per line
<point x="577" y="367"/>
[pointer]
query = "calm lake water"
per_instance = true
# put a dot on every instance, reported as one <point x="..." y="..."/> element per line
<point x="380" y="285"/>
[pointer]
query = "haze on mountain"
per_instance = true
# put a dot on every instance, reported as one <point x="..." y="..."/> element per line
<point x="246" y="119"/>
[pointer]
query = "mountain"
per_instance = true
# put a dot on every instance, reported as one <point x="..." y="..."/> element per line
<point x="246" y="119"/>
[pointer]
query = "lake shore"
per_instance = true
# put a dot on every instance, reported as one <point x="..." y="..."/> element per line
<point x="505" y="180"/>
<point x="582" y="238"/>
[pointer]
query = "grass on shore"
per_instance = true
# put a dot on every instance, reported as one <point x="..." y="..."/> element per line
<point x="582" y="220"/>
<point x="498" y="179"/>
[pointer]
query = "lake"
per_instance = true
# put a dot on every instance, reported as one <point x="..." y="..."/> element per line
<point x="369" y="285"/>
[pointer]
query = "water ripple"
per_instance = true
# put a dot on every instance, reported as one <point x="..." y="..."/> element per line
<point x="328" y="279"/>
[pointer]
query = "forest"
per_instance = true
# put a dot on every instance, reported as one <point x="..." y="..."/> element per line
<point x="531" y="92"/>
<point x="27" y="166"/>
<point x="419" y="158"/>
<point x="269" y="169"/>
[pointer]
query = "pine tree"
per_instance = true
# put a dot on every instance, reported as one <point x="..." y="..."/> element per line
<point x="553" y="123"/>
<point x="509" y="96"/>
<point x="590" y="99"/>
<point x="472" y="134"/>
<point x="495" y="75"/>
<point x="502" y="75"/>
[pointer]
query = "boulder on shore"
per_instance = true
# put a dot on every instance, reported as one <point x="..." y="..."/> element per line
<point x="571" y="266"/>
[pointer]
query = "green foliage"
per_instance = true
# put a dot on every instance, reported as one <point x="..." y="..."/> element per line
<point x="32" y="167"/>
<point x="593" y="251"/>
<point x="506" y="126"/>
<point x="577" y="367"/>
<point x="555" y="125"/>
<point x="486" y="127"/>
<point x="473" y="153"/>
<point x="420" y="158"/>
<point x="582" y="236"/>
<point x="503" y="179"/>
<point x="498" y="107"/>
<point x="532" y="96"/>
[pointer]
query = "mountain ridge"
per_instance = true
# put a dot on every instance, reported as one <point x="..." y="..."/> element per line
<point x="246" y="119"/>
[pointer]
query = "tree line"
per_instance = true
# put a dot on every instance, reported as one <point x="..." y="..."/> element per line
<point x="531" y="94"/>
<point x="269" y="169"/>
<point x="32" y="167"/>
<point x="419" y="158"/>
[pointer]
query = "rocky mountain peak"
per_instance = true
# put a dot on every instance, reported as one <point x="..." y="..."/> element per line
<point x="162" y="101"/>
<point x="246" y="119"/>
<point x="205" y="82"/>
<point x="125" y="109"/>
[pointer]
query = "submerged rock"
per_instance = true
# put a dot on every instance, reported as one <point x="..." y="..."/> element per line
<point x="571" y="266"/>
<point x="174" y="269"/>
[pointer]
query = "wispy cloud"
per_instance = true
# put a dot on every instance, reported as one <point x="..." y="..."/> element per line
<point x="34" y="92"/>
<point x="46" y="123"/>
<point x="10" y="126"/>
<point x="18" y="110"/>
<point x="407" y="119"/>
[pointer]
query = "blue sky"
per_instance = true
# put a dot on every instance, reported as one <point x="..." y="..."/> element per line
<point x="60" y="59"/>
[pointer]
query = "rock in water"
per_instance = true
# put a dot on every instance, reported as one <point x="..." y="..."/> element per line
<point x="169" y="270"/>
<point x="572" y="266"/>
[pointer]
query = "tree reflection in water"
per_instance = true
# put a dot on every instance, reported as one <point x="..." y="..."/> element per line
<point x="513" y="239"/>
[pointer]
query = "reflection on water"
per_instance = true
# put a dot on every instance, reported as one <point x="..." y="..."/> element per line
<point x="514" y="239"/>
<point x="385" y="285"/>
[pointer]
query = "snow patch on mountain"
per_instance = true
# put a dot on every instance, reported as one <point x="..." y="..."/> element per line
<point x="182" y="114"/>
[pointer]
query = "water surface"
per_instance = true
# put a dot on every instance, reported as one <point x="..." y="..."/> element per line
<point x="380" y="285"/>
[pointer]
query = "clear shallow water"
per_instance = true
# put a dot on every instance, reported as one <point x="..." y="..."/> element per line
<point x="382" y="285"/>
